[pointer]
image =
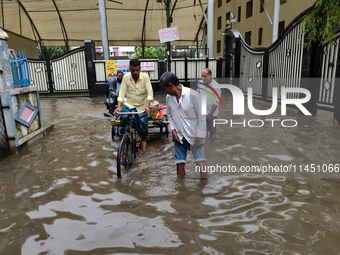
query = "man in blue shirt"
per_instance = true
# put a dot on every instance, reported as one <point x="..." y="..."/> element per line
<point x="113" y="89"/>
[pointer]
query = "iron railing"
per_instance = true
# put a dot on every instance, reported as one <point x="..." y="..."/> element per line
<point x="20" y="70"/>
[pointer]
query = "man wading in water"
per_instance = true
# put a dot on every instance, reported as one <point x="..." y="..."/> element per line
<point x="187" y="124"/>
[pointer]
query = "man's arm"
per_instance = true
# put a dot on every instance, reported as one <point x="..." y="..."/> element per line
<point x="171" y="121"/>
<point x="119" y="104"/>
<point x="113" y="86"/>
<point x="122" y="92"/>
<point x="147" y="107"/>
<point x="214" y="107"/>
<point x="211" y="113"/>
<point x="201" y="128"/>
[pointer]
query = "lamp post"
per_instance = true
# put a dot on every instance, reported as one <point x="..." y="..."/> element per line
<point x="231" y="20"/>
<point x="103" y="29"/>
<point x="168" y="24"/>
<point x="210" y="28"/>
<point x="276" y="17"/>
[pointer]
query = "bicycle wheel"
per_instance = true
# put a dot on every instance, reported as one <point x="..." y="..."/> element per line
<point x="125" y="156"/>
<point x="122" y="155"/>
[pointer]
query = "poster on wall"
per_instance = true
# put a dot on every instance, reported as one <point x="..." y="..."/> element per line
<point x="168" y="34"/>
<point x="113" y="66"/>
<point x="147" y="66"/>
<point x="111" y="71"/>
<point x="123" y="65"/>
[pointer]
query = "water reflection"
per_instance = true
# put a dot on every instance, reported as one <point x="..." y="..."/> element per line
<point x="59" y="196"/>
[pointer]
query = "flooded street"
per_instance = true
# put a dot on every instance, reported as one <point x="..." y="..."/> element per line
<point x="60" y="195"/>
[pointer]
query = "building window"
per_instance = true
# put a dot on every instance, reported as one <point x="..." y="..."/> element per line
<point x="249" y="9"/>
<point x="205" y="29"/>
<point x="239" y="14"/>
<point x="219" y="23"/>
<point x="227" y="17"/>
<point x="260" y="35"/>
<point x="206" y="49"/>
<point x="228" y="1"/>
<point x="218" y="46"/>
<point x="281" y="28"/>
<point x="248" y="37"/>
<point x="219" y="3"/>
<point x="261" y="6"/>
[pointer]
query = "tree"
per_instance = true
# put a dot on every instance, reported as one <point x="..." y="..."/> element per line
<point x="52" y="51"/>
<point x="192" y="52"/>
<point x="322" y="23"/>
<point x="152" y="52"/>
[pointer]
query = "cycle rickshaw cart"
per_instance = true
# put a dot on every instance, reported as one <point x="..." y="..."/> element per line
<point x="130" y="141"/>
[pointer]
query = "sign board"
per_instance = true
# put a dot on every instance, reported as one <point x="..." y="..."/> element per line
<point x="113" y="66"/>
<point x="168" y="34"/>
<point x="111" y="71"/>
<point x="123" y="65"/>
<point x="147" y="66"/>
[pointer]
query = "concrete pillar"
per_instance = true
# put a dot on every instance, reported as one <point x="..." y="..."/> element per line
<point x="6" y="82"/>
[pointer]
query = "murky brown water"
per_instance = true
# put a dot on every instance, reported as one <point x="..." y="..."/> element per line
<point x="60" y="196"/>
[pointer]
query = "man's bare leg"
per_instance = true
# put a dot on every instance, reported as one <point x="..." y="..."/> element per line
<point x="143" y="146"/>
<point x="181" y="169"/>
<point x="203" y="175"/>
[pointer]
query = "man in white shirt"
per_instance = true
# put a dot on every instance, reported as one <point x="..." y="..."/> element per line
<point x="213" y="102"/>
<point x="187" y="124"/>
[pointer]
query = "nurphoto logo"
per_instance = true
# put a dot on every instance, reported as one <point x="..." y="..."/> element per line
<point x="239" y="103"/>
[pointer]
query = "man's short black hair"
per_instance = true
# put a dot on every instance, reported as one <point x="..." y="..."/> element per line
<point x="134" y="62"/>
<point x="168" y="78"/>
<point x="120" y="72"/>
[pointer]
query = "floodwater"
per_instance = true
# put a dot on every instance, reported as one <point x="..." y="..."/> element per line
<point x="60" y="194"/>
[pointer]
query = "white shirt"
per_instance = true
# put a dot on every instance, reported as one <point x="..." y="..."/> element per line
<point x="210" y="101"/>
<point x="186" y="116"/>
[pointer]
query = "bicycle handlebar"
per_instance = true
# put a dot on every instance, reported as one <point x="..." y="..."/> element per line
<point x="130" y="113"/>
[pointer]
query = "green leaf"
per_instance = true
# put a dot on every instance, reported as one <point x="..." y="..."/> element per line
<point x="322" y="23"/>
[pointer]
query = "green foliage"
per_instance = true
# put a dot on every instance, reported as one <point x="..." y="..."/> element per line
<point x="52" y="51"/>
<point x="152" y="52"/>
<point x="192" y="52"/>
<point x="321" y="24"/>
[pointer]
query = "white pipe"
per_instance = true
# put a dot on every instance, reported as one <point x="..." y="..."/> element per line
<point x="276" y="18"/>
<point x="103" y="29"/>
<point x="265" y="10"/>
<point x="210" y="27"/>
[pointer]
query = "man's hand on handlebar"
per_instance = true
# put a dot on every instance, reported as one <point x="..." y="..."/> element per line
<point x="116" y="110"/>
<point x="147" y="110"/>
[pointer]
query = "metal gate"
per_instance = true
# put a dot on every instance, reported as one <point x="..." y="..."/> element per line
<point x="4" y="146"/>
<point x="265" y="68"/>
<point x="330" y="59"/>
<point x="66" y="73"/>
<point x="286" y="63"/>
